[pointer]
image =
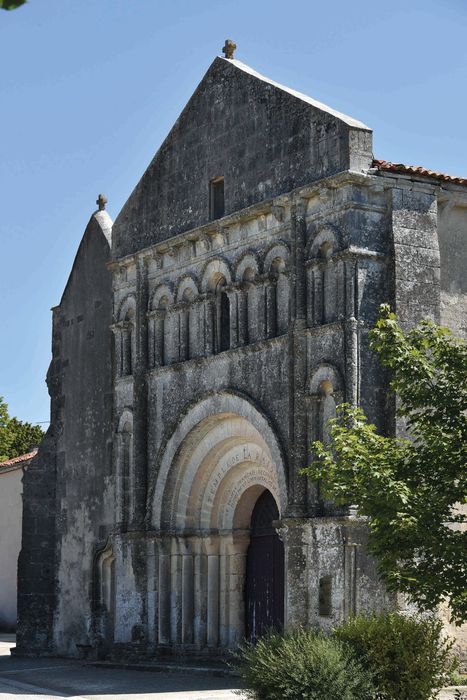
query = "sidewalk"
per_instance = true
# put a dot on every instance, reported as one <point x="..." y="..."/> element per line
<point x="70" y="679"/>
<point x="66" y="678"/>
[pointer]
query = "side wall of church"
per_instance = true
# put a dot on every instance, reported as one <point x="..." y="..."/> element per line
<point x="68" y="488"/>
<point x="452" y="232"/>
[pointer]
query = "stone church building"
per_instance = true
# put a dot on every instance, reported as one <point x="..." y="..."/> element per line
<point x="202" y="342"/>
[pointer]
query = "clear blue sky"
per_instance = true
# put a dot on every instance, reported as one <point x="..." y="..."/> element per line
<point x="90" y="88"/>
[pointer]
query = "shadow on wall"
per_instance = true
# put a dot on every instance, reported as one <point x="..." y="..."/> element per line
<point x="6" y="628"/>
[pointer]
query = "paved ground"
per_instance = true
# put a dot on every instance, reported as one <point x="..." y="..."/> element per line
<point x="58" y="678"/>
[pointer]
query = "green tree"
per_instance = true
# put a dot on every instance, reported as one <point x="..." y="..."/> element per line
<point x="413" y="490"/>
<point x="16" y="436"/>
<point x="11" y="4"/>
<point x="5" y="434"/>
<point x="24" y="436"/>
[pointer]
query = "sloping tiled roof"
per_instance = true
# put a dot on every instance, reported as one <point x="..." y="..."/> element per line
<point x="17" y="461"/>
<point x="417" y="170"/>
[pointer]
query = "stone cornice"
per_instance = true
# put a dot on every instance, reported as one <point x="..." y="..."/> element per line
<point x="278" y="206"/>
<point x="251" y="349"/>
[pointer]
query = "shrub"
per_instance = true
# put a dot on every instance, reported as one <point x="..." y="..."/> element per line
<point x="407" y="655"/>
<point x="302" y="665"/>
<point x="457" y="678"/>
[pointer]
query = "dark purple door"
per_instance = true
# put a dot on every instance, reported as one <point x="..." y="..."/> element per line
<point x="265" y="571"/>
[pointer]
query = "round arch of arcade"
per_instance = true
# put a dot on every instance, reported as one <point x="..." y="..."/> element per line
<point x="220" y="460"/>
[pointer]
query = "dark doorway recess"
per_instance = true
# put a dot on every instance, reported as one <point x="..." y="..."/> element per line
<point x="265" y="571"/>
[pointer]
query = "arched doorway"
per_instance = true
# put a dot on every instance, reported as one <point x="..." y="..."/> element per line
<point x="221" y="459"/>
<point x="264" y="571"/>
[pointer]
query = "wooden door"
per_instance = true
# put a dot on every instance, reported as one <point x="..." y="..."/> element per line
<point x="265" y="571"/>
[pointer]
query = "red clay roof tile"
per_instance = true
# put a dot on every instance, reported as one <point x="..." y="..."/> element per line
<point x="417" y="170"/>
<point x="17" y="460"/>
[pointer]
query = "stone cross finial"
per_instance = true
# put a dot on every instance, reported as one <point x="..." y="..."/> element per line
<point x="101" y="201"/>
<point x="229" y="48"/>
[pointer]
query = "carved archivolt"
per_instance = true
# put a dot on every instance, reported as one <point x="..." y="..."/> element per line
<point x="220" y="449"/>
<point x="246" y="268"/>
<point x="325" y="375"/>
<point x="276" y="258"/>
<point x="162" y="292"/>
<point x="326" y="390"/>
<point x="187" y="289"/>
<point x="213" y="271"/>
<point x="127" y="308"/>
<point x="324" y="242"/>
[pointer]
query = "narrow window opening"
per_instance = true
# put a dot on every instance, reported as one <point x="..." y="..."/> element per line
<point x="216" y="193"/>
<point x="224" y="322"/>
<point x="325" y="596"/>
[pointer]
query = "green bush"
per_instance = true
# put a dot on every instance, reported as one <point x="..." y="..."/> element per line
<point x="303" y="665"/>
<point x="457" y="678"/>
<point x="407" y="655"/>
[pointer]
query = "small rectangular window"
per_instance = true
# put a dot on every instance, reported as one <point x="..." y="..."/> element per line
<point x="216" y="194"/>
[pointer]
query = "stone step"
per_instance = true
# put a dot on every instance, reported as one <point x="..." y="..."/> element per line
<point x="211" y="669"/>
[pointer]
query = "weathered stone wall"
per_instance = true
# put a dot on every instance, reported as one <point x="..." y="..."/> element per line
<point x="452" y="233"/>
<point x="37" y="575"/>
<point x="262" y="139"/>
<point x="304" y="276"/>
<point x="416" y="254"/>
<point x="68" y="490"/>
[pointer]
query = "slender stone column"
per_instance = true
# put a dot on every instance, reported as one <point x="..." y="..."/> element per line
<point x="253" y="312"/>
<point x="151" y="340"/>
<point x="175" y="592"/>
<point x="209" y="320"/>
<point x="242" y="300"/>
<point x="309" y="297"/>
<point x="184" y="334"/>
<point x="271" y="309"/>
<point x="261" y="298"/>
<point x="237" y="573"/>
<point x="352" y="361"/>
<point x="350" y="288"/>
<point x="212" y="551"/>
<point x="317" y="295"/>
<point x="139" y="343"/>
<point x="225" y="545"/>
<point x="340" y="294"/>
<point x="282" y="303"/>
<point x="297" y="346"/>
<point x="159" y="342"/>
<point x="152" y="567"/>
<point x="164" y="590"/>
<point x="200" y="574"/>
<point x="117" y="331"/>
<point x="187" y="592"/>
<point x="234" y="317"/>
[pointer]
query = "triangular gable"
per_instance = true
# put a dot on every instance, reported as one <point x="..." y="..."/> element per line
<point x="92" y="256"/>
<point x="262" y="137"/>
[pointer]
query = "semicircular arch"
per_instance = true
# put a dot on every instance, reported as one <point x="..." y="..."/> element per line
<point x="127" y="306"/>
<point x="186" y="285"/>
<point x="326" y="240"/>
<point x="221" y="447"/>
<point x="213" y="272"/>
<point x="277" y="251"/>
<point x="162" y="291"/>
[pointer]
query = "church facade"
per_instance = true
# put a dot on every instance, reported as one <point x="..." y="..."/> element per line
<point x="202" y="342"/>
